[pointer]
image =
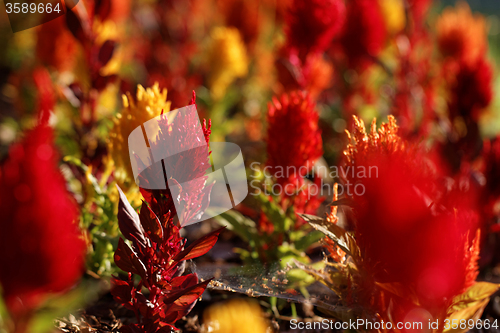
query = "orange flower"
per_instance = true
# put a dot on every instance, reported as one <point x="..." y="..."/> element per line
<point x="462" y="35"/>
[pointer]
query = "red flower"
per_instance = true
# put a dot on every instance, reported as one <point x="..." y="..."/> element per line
<point x="42" y="251"/>
<point x="472" y="90"/>
<point x="410" y="228"/>
<point x="46" y="97"/>
<point x="293" y="136"/>
<point x="293" y="145"/>
<point x="418" y="9"/>
<point x="364" y="32"/>
<point x="311" y="25"/>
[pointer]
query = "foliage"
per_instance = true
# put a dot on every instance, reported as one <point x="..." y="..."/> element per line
<point x="157" y="257"/>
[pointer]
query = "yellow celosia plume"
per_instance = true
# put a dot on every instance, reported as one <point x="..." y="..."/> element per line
<point x="148" y="103"/>
<point x="394" y="15"/>
<point x="227" y="58"/>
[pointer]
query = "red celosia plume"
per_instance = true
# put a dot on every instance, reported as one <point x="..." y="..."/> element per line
<point x="364" y="33"/>
<point x="311" y="25"/>
<point x="293" y="135"/>
<point x="411" y="229"/>
<point x="41" y="246"/>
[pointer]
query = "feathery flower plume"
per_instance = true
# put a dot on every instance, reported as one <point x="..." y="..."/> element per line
<point x="364" y="32"/>
<point x="149" y="103"/>
<point x="227" y="58"/>
<point x="41" y="245"/>
<point x="410" y="230"/>
<point x="293" y="135"/>
<point x="311" y="25"/>
<point x="294" y="145"/>
<point x="461" y="35"/>
<point x="472" y="90"/>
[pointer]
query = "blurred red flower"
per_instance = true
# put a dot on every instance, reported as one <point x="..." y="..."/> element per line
<point x="418" y="10"/>
<point x="243" y="15"/>
<point x="462" y="35"/>
<point x="472" y="90"/>
<point x="42" y="251"/>
<point x="364" y="32"/>
<point x="411" y="228"/>
<point x="311" y="25"/>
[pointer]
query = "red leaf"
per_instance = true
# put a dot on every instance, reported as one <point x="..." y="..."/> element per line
<point x="75" y="26"/>
<point x="131" y="328"/>
<point x="184" y="281"/>
<point x="128" y="261"/>
<point x="184" y="304"/>
<point x="199" y="247"/>
<point x="128" y="221"/>
<point x="102" y="8"/>
<point x="121" y="290"/>
<point x="106" y="52"/>
<point x="100" y="82"/>
<point x="151" y="223"/>
<point x="185" y="297"/>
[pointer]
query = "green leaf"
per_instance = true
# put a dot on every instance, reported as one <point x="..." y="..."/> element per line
<point x="309" y="239"/>
<point x="318" y="275"/>
<point x="239" y="224"/>
<point x="275" y="214"/>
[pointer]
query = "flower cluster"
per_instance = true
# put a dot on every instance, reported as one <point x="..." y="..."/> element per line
<point x="416" y="246"/>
